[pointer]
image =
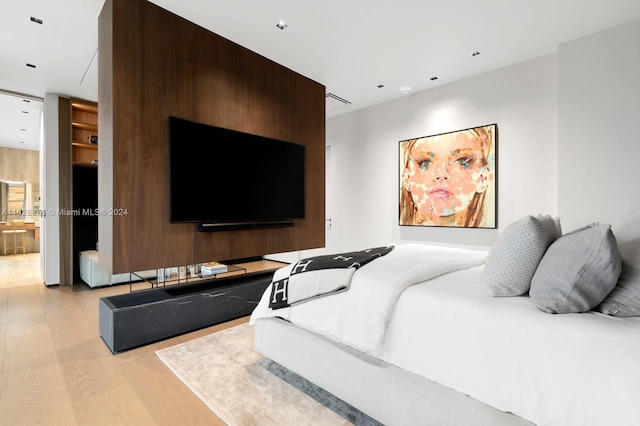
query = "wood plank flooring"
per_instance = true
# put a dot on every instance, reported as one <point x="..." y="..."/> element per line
<point x="56" y="370"/>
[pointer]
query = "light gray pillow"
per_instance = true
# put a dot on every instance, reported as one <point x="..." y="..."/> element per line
<point x="515" y="255"/>
<point x="624" y="300"/>
<point x="577" y="271"/>
<point x="556" y="220"/>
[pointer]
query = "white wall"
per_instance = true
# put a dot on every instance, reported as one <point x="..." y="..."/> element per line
<point x="599" y="133"/>
<point x="521" y="99"/>
<point x="49" y="190"/>
<point x="568" y="143"/>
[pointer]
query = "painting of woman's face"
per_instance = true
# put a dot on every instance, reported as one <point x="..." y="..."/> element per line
<point x="444" y="173"/>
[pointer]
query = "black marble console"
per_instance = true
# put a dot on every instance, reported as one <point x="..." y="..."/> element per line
<point x="134" y="319"/>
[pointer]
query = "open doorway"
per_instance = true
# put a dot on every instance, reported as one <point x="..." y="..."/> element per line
<point x="20" y="184"/>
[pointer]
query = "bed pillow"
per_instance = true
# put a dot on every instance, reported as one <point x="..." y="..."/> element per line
<point x="624" y="300"/>
<point x="577" y="271"/>
<point x="556" y="222"/>
<point x="515" y="255"/>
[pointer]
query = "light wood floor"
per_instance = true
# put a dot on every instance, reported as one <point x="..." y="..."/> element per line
<point x="20" y="270"/>
<point x="56" y="370"/>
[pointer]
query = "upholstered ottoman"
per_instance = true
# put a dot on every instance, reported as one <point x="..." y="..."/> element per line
<point x="94" y="275"/>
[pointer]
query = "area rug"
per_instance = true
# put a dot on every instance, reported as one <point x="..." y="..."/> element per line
<point x="225" y="371"/>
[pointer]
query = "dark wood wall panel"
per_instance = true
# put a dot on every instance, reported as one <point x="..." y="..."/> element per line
<point x="158" y="83"/>
<point x="64" y="198"/>
<point x="105" y="127"/>
<point x="163" y="65"/>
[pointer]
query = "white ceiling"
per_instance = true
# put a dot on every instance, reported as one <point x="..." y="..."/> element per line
<point x="20" y="122"/>
<point x="349" y="46"/>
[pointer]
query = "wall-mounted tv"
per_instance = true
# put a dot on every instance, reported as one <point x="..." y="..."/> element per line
<point x="226" y="179"/>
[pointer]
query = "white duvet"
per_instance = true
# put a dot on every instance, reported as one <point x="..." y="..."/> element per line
<point x="359" y="317"/>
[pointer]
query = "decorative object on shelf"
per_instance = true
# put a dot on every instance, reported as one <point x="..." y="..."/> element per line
<point x="93" y="139"/>
<point x="213" y="268"/>
<point x="193" y="270"/>
<point x="448" y="179"/>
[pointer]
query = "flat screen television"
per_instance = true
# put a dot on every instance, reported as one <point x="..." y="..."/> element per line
<point x="223" y="178"/>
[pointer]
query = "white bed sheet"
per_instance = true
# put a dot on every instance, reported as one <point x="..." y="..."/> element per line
<point x="570" y="369"/>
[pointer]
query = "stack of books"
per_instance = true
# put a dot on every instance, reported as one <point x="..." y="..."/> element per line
<point x="212" y="268"/>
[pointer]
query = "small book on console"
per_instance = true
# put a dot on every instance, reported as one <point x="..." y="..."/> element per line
<point x="212" y="268"/>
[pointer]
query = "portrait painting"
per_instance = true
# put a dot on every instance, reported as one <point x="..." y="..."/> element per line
<point x="449" y="179"/>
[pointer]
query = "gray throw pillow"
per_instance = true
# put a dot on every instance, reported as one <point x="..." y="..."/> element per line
<point x="624" y="300"/>
<point x="577" y="271"/>
<point x="515" y="255"/>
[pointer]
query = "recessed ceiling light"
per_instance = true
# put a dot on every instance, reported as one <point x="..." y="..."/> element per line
<point x="404" y="89"/>
<point x="380" y="86"/>
<point x="434" y="78"/>
<point x="281" y="25"/>
<point x="31" y="65"/>
<point x="476" y="53"/>
<point x="36" y="20"/>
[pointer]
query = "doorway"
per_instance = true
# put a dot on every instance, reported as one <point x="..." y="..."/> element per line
<point x="20" y="183"/>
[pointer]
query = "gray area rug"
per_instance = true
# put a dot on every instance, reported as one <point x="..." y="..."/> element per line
<point x="243" y="388"/>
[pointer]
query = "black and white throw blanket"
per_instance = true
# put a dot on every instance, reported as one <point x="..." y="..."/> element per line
<point x="319" y="276"/>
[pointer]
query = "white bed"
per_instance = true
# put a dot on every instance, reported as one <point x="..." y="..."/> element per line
<point x="452" y="354"/>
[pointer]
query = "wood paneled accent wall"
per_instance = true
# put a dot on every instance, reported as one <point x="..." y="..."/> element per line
<point x="19" y="164"/>
<point x="154" y="64"/>
<point x="65" y="194"/>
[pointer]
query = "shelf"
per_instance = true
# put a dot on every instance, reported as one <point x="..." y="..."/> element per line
<point x="85" y="126"/>
<point x="84" y="153"/>
<point x="83" y="164"/>
<point x="174" y="278"/>
<point x="84" y="119"/>
<point x="85" y="145"/>
<point x="84" y="107"/>
<point x="141" y="282"/>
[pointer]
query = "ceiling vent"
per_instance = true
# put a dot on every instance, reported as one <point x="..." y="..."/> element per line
<point x="334" y="102"/>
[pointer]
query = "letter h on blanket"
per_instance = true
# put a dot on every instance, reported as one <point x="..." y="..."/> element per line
<point x="279" y="289"/>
